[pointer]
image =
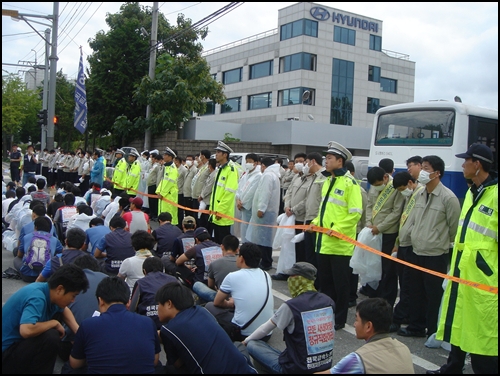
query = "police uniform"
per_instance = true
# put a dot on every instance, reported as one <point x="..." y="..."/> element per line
<point x="133" y="175"/>
<point x="120" y="174"/>
<point x="168" y="189"/>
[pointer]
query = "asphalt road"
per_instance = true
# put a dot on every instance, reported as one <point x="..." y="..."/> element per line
<point x="345" y="339"/>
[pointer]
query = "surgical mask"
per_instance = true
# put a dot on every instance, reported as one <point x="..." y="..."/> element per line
<point x="249" y="166"/>
<point x="299" y="167"/>
<point x="189" y="163"/>
<point x="305" y="170"/>
<point x="195" y="163"/>
<point x="424" y="177"/>
<point x="379" y="188"/>
<point x="407" y="192"/>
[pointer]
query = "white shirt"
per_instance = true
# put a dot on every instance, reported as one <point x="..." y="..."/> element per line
<point x="131" y="269"/>
<point x="5" y="205"/>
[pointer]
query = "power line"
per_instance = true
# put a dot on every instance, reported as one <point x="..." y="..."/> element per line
<point x="12" y="35"/>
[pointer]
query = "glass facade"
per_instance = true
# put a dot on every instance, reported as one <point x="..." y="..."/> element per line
<point x="372" y="105"/>
<point x="344" y="35"/>
<point x="302" y="60"/>
<point x="257" y="101"/>
<point x="299" y="27"/>
<point x="231" y="76"/>
<point x="375" y="43"/>
<point x="294" y="96"/>
<point x="231" y="105"/>
<point x="388" y="85"/>
<point x="373" y="73"/>
<point x="209" y="108"/>
<point x="261" y="69"/>
<point x="342" y="92"/>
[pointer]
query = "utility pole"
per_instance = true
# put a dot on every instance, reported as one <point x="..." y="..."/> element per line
<point x="53" y="77"/>
<point x="152" y="66"/>
<point x="46" y="87"/>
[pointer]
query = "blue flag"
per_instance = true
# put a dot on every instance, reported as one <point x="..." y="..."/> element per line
<point x="80" y="99"/>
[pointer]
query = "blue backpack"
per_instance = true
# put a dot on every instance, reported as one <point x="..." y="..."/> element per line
<point x="39" y="250"/>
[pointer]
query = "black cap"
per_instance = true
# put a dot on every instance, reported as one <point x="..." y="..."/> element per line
<point x="478" y="151"/>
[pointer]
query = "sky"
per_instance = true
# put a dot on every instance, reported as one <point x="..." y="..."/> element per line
<point x="454" y="45"/>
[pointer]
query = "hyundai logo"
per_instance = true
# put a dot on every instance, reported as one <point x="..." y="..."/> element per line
<point x="319" y="13"/>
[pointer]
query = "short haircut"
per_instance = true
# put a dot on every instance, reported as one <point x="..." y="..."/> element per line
<point x="34" y="203"/>
<point x="267" y="161"/>
<point x="20" y="192"/>
<point x="76" y="191"/>
<point x="71" y="277"/>
<point x="39" y="210"/>
<point x="87" y="261"/>
<point x="142" y="240"/>
<point x="178" y="159"/>
<point x="190" y="156"/>
<point x="96" y="222"/>
<point x="206" y="153"/>
<point x="157" y="157"/>
<point x="415" y="159"/>
<point x="402" y="178"/>
<point x="97" y="152"/>
<point x="378" y="311"/>
<point x="251" y="253"/>
<point x="436" y="163"/>
<point x="31" y="188"/>
<point x="254" y="157"/>
<point x="486" y="165"/>
<point x="180" y="296"/>
<point x="375" y="174"/>
<point x="316" y="156"/>
<point x="11" y="184"/>
<point x="10" y="194"/>
<point x="165" y="217"/>
<point x="42" y="224"/>
<point x="203" y="236"/>
<point x="69" y="199"/>
<point x="75" y="237"/>
<point x="113" y="290"/>
<point x="300" y="155"/>
<point x="32" y="180"/>
<point x="85" y="209"/>
<point x="212" y="163"/>
<point x="230" y="243"/>
<point x="387" y="164"/>
<point x="40" y="183"/>
<point x="124" y="202"/>
<point x="117" y="222"/>
<point x="58" y="197"/>
<point x="349" y="166"/>
<point x="152" y="264"/>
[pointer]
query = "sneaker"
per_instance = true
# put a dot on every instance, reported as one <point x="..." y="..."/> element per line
<point x="394" y="328"/>
<point x="405" y="332"/>
<point x="279" y="277"/>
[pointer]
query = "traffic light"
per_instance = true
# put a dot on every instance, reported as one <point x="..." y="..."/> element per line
<point x="56" y="120"/>
<point x="42" y="118"/>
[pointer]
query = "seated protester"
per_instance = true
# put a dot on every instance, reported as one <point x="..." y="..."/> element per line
<point x="83" y="218"/>
<point x="39" y="247"/>
<point x="131" y="267"/>
<point x="64" y="214"/>
<point x="123" y="207"/>
<point x="40" y="194"/>
<point x="93" y="194"/>
<point x="380" y="354"/>
<point x="244" y="292"/>
<point x="219" y="269"/>
<point x="57" y="203"/>
<point x="110" y="210"/>
<point x="30" y="332"/>
<point x="37" y="211"/>
<point x="9" y="197"/>
<point x="203" y="253"/>
<point x="78" y="195"/>
<point x="114" y="247"/>
<point x="75" y="238"/>
<point x="183" y="241"/>
<point x="14" y="214"/>
<point x="31" y="183"/>
<point x="215" y="354"/>
<point x="136" y="219"/>
<point x="307" y="308"/>
<point x="95" y="232"/>
<point x="143" y="294"/>
<point x="20" y="193"/>
<point x="166" y="234"/>
<point x="100" y="204"/>
<point x="25" y="215"/>
<point x="117" y="341"/>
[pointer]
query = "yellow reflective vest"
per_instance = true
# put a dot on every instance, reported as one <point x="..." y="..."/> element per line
<point x="340" y="210"/>
<point x="120" y="174"/>
<point x="133" y="177"/>
<point x="224" y="193"/>
<point x="469" y="316"/>
<point x="168" y="189"/>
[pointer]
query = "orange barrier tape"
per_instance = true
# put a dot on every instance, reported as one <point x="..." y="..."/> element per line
<point x="330" y="232"/>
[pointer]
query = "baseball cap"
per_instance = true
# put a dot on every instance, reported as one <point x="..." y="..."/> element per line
<point x="199" y="231"/>
<point x="478" y="151"/>
<point x="303" y="269"/>
<point x="137" y="201"/>
<point x="188" y="219"/>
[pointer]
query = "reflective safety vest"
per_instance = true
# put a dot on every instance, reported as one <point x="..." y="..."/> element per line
<point x="469" y="316"/>
<point x="168" y="189"/>
<point x="120" y="174"/>
<point x="340" y="209"/>
<point x="133" y="177"/>
<point x="224" y="193"/>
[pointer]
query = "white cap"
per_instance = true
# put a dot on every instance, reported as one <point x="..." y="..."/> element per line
<point x="336" y="148"/>
<point x="169" y="152"/>
<point x="223" y="147"/>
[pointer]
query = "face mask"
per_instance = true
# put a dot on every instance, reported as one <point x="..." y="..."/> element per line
<point x="299" y="167"/>
<point x="379" y="188"/>
<point x="195" y="163"/>
<point x="407" y="192"/>
<point x="305" y="170"/>
<point x="249" y="166"/>
<point x="189" y="163"/>
<point x="424" y="177"/>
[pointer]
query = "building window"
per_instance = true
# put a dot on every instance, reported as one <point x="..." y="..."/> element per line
<point x="375" y="43"/>
<point x="302" y="60"/>
<point x="231" y="76"/>
<point x="259" y="101"/>
<point x="342" y="92"/>
<point x="261" y="69"/>
<point x="388" y="85"/>
<point x="214" y="76"/>
<point x="373" y="104"/>
<point x="299" y="27"/>
<point x="294" y="96"/>
<point x="231" y="105"/>
<point x="373" y="73"/>
<point x="209" y="108"/>
<point x="344" y="35"/>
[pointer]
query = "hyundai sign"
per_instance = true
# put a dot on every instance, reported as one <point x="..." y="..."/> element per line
<point x="322" y="14"/>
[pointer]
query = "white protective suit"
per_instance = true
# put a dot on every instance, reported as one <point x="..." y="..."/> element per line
<point x="246" y="190"/>
<point x="267" y="200"/>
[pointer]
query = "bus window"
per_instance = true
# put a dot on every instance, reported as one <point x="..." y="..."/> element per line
<point x="484" y="131"/>
<point x="419" y="128"/>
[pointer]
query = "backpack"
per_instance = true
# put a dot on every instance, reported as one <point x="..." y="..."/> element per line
<point x="39" y="251"/>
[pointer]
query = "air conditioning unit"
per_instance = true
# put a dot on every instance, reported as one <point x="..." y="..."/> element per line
<point x="293" y="118"/>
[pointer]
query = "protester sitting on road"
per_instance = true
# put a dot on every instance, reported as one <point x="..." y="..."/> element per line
<point x="131" y="267"/>
<point x="31" y="331"/>
<point x="166" y="234"/>
<point x="95" y="233"/>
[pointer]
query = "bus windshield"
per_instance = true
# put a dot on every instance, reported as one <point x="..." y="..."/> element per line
<point x="423" y="127"/>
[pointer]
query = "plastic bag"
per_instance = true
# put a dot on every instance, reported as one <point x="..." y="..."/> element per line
<point x="283" y="240"/>
<point x="365" y="263"/>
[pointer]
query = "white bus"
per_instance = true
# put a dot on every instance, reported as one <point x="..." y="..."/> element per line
<point x="439" y="128"/>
